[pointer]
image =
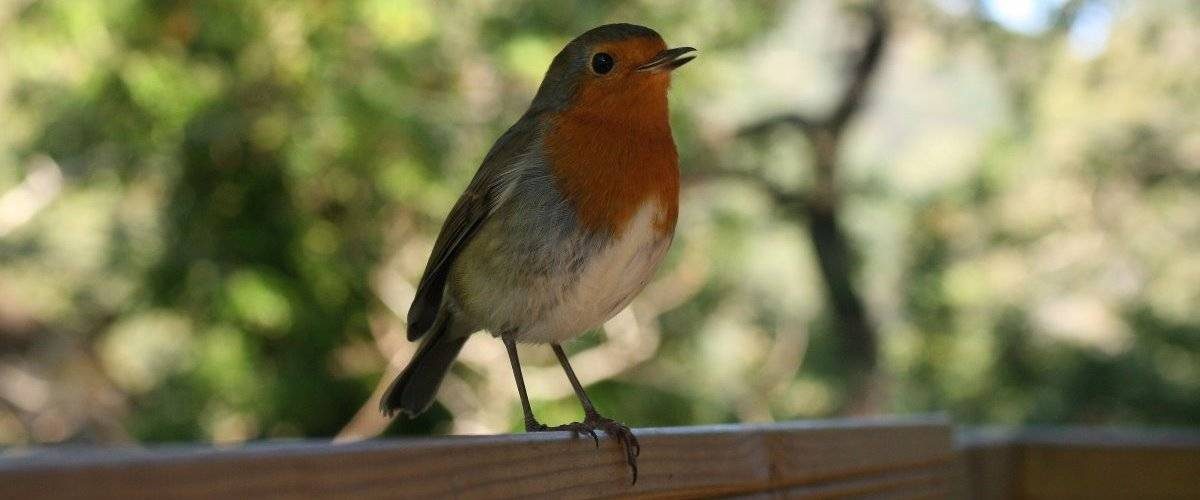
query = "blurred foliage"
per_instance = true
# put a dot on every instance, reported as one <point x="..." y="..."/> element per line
<point x="212" y="214"/>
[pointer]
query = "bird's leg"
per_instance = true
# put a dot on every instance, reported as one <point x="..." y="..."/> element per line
<point x="531" y="423"/>
<point x="593" y="419"/>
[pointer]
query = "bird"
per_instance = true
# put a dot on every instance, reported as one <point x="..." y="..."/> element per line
<point x="566" y="220"/>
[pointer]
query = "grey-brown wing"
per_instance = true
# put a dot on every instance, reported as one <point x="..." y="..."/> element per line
<point x="465" y="219"/>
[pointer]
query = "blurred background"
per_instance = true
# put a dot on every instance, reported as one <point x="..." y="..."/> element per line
<point x="213" y="214"/>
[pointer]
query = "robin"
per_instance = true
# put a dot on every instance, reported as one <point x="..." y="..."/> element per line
<point x="564" y="223"/>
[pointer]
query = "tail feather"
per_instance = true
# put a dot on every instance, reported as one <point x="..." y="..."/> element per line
<point x="414" y="389"/>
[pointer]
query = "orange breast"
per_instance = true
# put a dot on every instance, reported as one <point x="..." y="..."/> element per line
<point x="611" y="154"/>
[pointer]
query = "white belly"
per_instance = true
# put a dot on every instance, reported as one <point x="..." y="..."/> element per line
<point x="607" y="282"/>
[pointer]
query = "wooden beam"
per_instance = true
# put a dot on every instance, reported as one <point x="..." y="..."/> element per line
<point x="989" y="464"/>
<point x="1082" y="463"/>
<point x="1100" y="463"/>
<point x="907" y="457"/>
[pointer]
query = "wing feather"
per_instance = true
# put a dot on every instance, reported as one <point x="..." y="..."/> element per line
<point x="487" y="190"/>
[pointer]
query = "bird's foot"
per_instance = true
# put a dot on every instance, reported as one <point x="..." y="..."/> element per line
<point x="575" y="428"/>
<point x="622" y="434"/>
<point x="595" y="422"/>
<point x="535" y="426"/>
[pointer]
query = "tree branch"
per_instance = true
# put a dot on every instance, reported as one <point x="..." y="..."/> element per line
<point x="781" y="196"/>
<point x="853" y="93"/>
<point x="796" y="120"/>
<point x="819" y="209"/>
<point x="864" y="72"/>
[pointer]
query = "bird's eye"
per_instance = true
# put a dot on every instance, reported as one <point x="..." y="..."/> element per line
<point x="602" y="63"/>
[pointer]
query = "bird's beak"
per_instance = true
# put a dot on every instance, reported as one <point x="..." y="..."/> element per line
<point x="670" y="59"/>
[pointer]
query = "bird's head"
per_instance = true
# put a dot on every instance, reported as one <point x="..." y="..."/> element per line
<point x="611" y="69"/>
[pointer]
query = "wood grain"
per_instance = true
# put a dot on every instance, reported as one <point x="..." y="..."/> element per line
<point x="1083" y="463"/>
<point x="909" y="458"/>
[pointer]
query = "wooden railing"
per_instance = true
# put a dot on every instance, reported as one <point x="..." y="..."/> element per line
<point x="1081" y="463"/>
<point x="905" y="458"/>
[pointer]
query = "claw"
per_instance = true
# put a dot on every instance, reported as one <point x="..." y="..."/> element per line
<point x="595" y="437"/>
<point x="621" y="433"/>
